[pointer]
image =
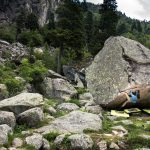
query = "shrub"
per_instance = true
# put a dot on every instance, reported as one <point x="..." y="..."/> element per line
<point x="31" y="37"/>
<point x="33" y="73"/>
<point x="7" y="36"/>
<point x="14" y="86"/>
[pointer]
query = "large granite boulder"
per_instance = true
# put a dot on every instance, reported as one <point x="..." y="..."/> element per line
<point x="120" y="61"/>
<point x="74" y="122"/>
<point x="58" y="88"/>
<point x="21" y="102"/>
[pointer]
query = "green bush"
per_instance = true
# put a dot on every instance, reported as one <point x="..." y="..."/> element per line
<point x="7" y="35"/>
<point x="29" y="37"/>
<point x="14" y="86"/>
<point x="33" y="73"/>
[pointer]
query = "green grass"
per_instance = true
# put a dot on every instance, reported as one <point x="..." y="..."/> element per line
<point x="81" y="90"/>
<point x="51" y="136"/>
<point x="75" y="101"/>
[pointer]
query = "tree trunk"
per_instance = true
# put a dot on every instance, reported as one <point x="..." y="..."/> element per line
<point x="59" y="59"/>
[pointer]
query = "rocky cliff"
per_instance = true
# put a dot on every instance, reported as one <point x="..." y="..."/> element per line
<point x="10" y="8"/>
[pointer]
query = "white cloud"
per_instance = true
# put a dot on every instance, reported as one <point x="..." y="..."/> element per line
<point x="138" y="9"/>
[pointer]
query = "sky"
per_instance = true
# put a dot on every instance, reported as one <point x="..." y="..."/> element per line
<point x="138" y="9"/>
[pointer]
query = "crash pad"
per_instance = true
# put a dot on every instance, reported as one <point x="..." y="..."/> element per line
<point x="147" y="110"/>
<point x="132" y="110"/>
<point x="119" y="113"/>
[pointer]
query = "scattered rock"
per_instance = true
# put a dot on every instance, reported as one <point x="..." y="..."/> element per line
<point x="109" y="73"/>
<point x="3" y="91"/>
<point x="102" y="145"/>
<point x="112" y="118"/>
<point x="58" y="88"/>
<point x="67" y="107"/>
<point x="144" y="136"/>
<point x="53" y="75"/>
<point x="21" y="102"/>
<point x="74" y="122"/>
<point x="127" y="122"/>
<point x="94" y="109"/>
<point x="114" y="146"/>
<point x="7" y="118"/>
<point x="17" y="142"/>
<point x="80" y="141"/>
<point x="4" y="131"/>
<point x="119" y="131"/>
<point x="46" y="145"/>
<point x="31" y="117"/>
<point x="86" y="96"/>
<point x="35" y="140"/>
<point x="51" y="110"/>
<point x="59" y="139"/>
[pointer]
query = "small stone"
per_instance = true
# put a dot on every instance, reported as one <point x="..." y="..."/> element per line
<point x="17" y="142"/>
<point x="119" y="131"/>
<point x="67" y="107"/>
<point x="80" y="141"/>
<point x="114" y="146"/>
<point x="127" y="122"/>
<point x="46" y="145"/>
<point x="51" y="110"/>
<point x="31" y="117"/>
<point x="59" y="139"/>
<point x="86" y="96"/>
<point x="94" y="109"/>
<point x="35" y="140"/>
<point x="7" y="118"/>
<point x="102" y="145"/>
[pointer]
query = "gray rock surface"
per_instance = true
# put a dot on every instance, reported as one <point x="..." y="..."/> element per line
<point x="93" y="109"/>
<point x="7" y="118"/>
<point x="10" y="9"/>
<point x="74" y="122"/>
<point x="114" y="146"/>
<point x="86" y="96"/>
<point x="17" y="142"/>
<point x="120" y="59"/>
<point x="4" y="131"/>
<point x="31" y="117"/>
<point x="3" y="91"/>
<point x="102" y="145"/>
<point x="21" y="102"/>
<point x="80" y="141"/>
<point x="67" y="107"/>
<point x="51" y="110"/>
<point x="59" y="139"/>
<point x="13" y="52"/>
<point x="35" y="140"/>
<point x="58" y="88"/>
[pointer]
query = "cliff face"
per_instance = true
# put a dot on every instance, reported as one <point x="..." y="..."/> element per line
<point x="10" y="8"/>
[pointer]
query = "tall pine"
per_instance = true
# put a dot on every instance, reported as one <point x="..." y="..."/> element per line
<point x="109" y="18"/>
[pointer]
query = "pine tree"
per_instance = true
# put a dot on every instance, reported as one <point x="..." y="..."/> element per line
<point x="69" y="29"/>
<point x="109" y="18"/>
<point x="32" y="22"/>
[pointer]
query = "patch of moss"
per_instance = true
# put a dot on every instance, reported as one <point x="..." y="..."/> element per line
<point x="51" y="136"/>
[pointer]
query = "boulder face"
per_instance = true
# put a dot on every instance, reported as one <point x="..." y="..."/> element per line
<point x="21" y="102"/>
<point x="9" y="9"/>
<point x="119" y="61"/>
